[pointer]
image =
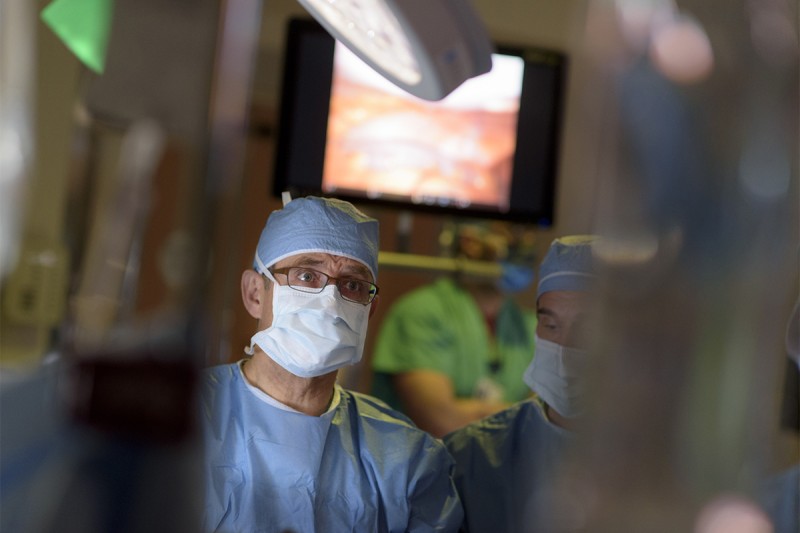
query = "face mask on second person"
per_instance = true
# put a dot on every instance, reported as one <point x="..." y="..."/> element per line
<point x="556" y="375"/>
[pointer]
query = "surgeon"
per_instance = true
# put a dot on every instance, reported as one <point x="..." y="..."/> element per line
<point x="505" y="463"/>
<point x="287" y="449"/>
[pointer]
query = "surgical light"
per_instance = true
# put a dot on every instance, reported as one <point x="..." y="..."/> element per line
<point x="426" y="47"/>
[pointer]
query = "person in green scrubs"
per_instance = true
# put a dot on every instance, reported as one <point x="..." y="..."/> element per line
<point x="455" y="350"/>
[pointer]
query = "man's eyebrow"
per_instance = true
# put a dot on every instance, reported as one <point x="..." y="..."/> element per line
<point x="358" y="271"/>
<point x="546" y="311"/>
<point x="308" y="261"/>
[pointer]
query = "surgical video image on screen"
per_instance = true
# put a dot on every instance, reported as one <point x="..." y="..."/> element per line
<point x="383" y="143"/>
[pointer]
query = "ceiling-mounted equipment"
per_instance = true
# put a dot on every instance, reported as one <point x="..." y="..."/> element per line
<point x="426" y="47"/>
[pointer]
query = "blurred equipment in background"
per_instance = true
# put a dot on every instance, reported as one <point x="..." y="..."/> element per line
<point x="16" y="117"/>
<point x="161" y="122"/>
<point x="33" y="258"/>
<point x="699" y="213"/>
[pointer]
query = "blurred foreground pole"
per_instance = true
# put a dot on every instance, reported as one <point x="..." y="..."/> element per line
<point x="693" y="106"/>
<point x="103" y="438"/>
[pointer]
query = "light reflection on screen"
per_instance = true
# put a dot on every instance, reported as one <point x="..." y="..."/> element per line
<point x="384" y="143"/>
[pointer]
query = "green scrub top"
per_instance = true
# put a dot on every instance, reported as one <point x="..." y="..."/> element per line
<point x="439" y="327"/>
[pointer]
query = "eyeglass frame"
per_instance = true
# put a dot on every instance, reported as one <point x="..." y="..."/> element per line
<point x="313" y="290"/>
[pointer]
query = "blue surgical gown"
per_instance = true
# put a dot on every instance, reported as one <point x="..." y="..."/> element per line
<point x="360" y="467"/>
<point x="505" y="468"/>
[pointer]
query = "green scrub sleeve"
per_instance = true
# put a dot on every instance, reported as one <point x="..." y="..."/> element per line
<point x="415" y="335"/>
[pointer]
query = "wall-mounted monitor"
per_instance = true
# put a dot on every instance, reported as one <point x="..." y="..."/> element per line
<point x="489" y="149"/>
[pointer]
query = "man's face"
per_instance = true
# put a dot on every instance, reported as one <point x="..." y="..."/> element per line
<point x="332" y="265"/>
<point x="562" y="317"/>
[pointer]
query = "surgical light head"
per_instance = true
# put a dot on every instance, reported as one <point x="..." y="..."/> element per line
<point x="318" y="225"/>
<point x="568" y="265"/>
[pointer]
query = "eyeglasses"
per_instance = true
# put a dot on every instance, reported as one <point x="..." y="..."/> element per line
<point x="309" y="280"/>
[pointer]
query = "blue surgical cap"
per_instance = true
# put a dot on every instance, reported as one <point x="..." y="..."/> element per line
<point x="568" y="265"/>
<point x="324" y="225"/>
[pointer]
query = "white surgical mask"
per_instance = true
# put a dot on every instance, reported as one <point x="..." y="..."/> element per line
<point x="313" y="334"/>
<point x="557" y="376"/>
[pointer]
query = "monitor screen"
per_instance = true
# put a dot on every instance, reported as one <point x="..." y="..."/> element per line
<point x="488" y="149"/>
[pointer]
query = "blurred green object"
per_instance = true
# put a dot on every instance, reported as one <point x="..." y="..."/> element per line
<point x="83" y="25"/>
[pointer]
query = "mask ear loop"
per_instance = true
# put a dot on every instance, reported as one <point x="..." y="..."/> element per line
<point x="248" y="350"/>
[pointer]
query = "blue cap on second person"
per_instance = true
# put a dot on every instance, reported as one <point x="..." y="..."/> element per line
<point x="568" y="265"/>
<point x="318" y="225"/>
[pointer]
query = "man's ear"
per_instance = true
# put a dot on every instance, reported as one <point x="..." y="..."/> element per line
<point x="374" y="306"/>
<point x="252" y="294"/>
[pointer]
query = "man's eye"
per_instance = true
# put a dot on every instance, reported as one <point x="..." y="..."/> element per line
<point x="548" y="324"/>
<point x="353" y="285"/>
<point x="304" y="276"/>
